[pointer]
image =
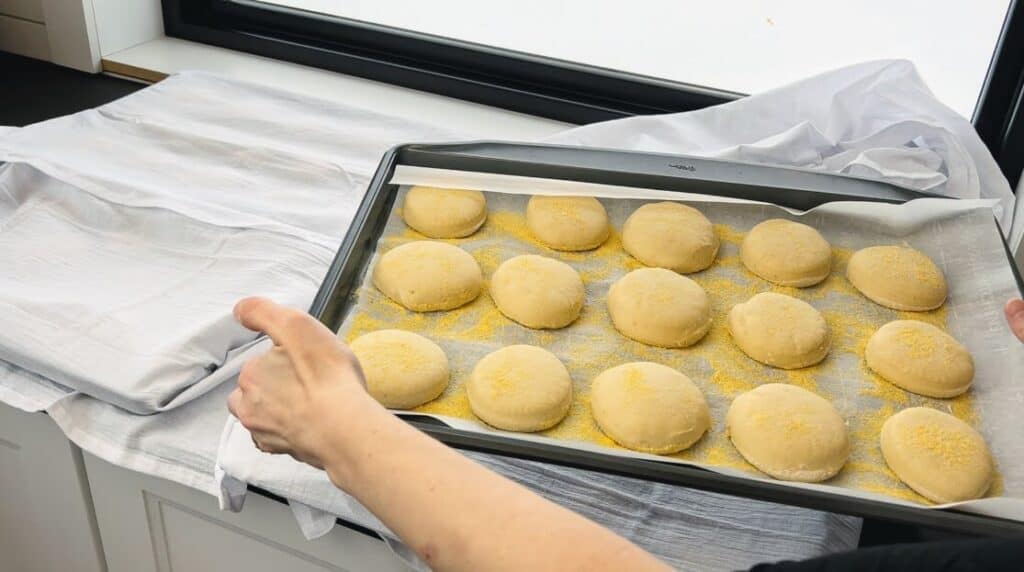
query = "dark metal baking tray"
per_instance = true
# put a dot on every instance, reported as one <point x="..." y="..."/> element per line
<point x="789" y="187"/>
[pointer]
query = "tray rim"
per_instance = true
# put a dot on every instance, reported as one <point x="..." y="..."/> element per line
<point x="379" y="196"/>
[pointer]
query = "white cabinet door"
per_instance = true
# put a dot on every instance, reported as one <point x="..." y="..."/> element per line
<point x="46" y="520"/>
<point x="149" y="525"/>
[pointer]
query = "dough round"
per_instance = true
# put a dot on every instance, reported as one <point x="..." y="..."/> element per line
<point x="788" y="432"/>
<point x="649" y="407"/>
<point x="425" y="276"/>
<point x="920" y="358"/>
<point x="670" y="235"/>
<point x="538" y="292"/>
<point x="897" y="277"/>
<point x="659" y="308"/>
<point x="568" y="223"/>
<point x="520" y="388"/>
<point x="786" y="253"/>
<point x="780" y="331"/>
<point x="937" y="455"/>
<point x="403" y="370"/>
<point x="444" y="213"/>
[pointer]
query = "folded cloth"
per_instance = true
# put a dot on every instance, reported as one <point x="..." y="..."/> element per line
<point x="27" y="391"/>
<point x="132" y="305"/>
<point x="239" y="156"/>
<point x="129" y="232"/>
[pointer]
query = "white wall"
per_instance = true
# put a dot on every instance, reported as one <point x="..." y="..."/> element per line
<point x="121" y="24"/>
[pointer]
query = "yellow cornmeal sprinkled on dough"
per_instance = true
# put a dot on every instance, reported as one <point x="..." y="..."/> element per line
<point x="567" y="207"/>
<point x="951" y="447"/>
<point x="715" y="364"/>
<point x="924" y="271"/>
<point x="635" y="380"/>
<point x="918" y="344"/>
<point x="795" y="425"/>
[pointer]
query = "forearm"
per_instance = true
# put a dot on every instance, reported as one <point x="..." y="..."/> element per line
<point x="460" y="516"/>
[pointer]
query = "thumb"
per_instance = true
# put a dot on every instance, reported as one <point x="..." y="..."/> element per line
<point x="309" y="343"/>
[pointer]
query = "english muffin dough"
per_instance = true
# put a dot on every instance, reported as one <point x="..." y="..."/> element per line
<point x="788" y="432"/>
<point x="649" y="407"/>
<point x="920" y="358"/>
<point x="660" y="308"/>
<point x="425" y="276"/>
<point x="444" y="213"/>
<point x="670" y="235"/>
<point x="897" y="277"/>
<point x="538" y="292"/>
<point x="568" y="223"/>
<point x="780" y="331"/>
<point x="403" y="370"/>
<point x="520" y="388"/>
<point x="787" y="253"/>
<point x="937" y="455"/>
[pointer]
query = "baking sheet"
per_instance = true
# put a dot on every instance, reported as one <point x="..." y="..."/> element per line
<point x="959" y="235"/>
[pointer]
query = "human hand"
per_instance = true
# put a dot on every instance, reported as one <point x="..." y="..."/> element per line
<point x="290" y="397"/>
<point x="1014" y="311"/>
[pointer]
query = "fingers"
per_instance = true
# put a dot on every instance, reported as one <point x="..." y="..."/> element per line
<point x="262" y="440"/>
<point x="269" y="443"/>
<point x="308" y="342"/>
<point x="235" y="402"/>
<point x="1015" y="317"/>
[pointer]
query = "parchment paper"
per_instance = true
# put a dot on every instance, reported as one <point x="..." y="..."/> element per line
<point x="960" y="236"/>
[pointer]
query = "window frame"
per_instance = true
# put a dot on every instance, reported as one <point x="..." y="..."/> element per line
<point x="999" y="113"/>
<point x="527" y="83"/>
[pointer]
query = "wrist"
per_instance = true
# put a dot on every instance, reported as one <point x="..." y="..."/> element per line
<point x="347" y="427"/>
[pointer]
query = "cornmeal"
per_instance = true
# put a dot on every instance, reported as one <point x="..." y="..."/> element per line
<point x="591" y="344"/>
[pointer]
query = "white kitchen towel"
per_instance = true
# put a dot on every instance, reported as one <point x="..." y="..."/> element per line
<point x="129" y="231"/>
<point x="27" y="391"/>
<point x="132" y="305"/>
<point x="877" y="119"/>
<point x="215" y="151"/>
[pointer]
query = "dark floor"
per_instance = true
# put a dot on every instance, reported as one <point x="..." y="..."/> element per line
<point x="31" y="91"/>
